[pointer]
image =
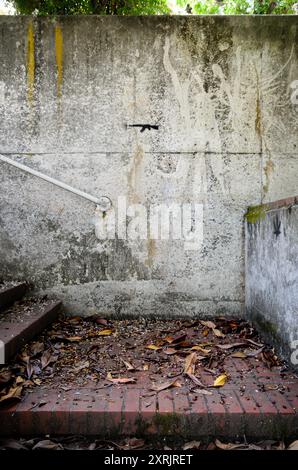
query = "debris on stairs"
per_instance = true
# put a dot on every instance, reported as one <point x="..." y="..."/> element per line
<point x="22" y="319"/>
<point x="197" y="379"/>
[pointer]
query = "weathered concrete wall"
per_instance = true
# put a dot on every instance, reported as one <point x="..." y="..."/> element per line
<point x="272" y="276"/>
<point x="220" y="90"/>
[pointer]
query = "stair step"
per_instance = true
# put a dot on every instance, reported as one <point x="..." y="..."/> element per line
<point x="22" y="322"/>
<point x="9" y="293"/>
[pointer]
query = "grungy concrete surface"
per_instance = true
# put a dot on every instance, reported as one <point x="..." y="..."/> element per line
<point x="219" y="88"/>
<point x="272" y="278"/>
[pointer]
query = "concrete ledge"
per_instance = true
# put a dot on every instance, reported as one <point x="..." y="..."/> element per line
<point x="287" y="202"/>
<point x="8" y="295"/>
<point x="15" y="335"/>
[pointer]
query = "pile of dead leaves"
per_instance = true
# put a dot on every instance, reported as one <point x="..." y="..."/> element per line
<point x="161" y="354"/>
<point x="134" y="443"/>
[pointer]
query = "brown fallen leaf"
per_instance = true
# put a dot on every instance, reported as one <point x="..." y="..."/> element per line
<point x="128" y="365"/>
<point x="29" y="370"/>
<point x="14" y="393"/>
<point x="239" y="355"/>
<point x="258" y="345"/>
<point x="178" y="338"/>
<point x="74" y="339"/>
<point x="19" y="380"/>
<point x="47" y="445"/>
<point x="170" y="351"/>
<point x="230" y="346"/>
<point x="81" y="365"/>
<point x="196" y="380"/>
<point x="47" y="359"/>
<point x="254" y="353"/>
<point x="293" y="446"/>
<point x="208" y="324"/>
<point x="132" y="443"/>
<point x="120" y="380"/>
<point x="153" y="347"/>
<point x="202" y="350"/>
<point x="5" y="376"/>
<point x="191" y="445"/>
<point x="190" y="363"/>
<point x="105" y="332"/>
<point x="165" y="385"/>
<point x="218" y="333"/>
<point x="228" y="446"/>
<point x="220" y="380"/>
<point x="37" y="348"/>
<point x="202" y="391"/>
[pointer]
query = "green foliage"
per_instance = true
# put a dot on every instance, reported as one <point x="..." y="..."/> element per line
<point x="238" y="7"/>
<point x="89" y="7"/>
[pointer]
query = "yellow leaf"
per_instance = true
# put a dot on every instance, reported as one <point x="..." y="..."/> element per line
<point x="239" y="354"/>
<point x="105" y="332"/>
<point x="218" y="333"/>
<point x="220" y="381"/>
<point x="153" y="347"/>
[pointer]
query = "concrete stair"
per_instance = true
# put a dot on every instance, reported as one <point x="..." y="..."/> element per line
<point x="22" y="319"/>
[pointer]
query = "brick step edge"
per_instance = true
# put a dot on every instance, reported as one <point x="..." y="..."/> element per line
<point x="8" y="295"/>
<point x="13" y="336"/>
<point x="123" y="413"/>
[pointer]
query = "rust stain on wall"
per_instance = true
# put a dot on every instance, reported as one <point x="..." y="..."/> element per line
<point x="59" y="58"/>
<point x="30" y="63"/>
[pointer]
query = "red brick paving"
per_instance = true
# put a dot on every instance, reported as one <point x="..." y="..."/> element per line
<point x="241" y="407"/>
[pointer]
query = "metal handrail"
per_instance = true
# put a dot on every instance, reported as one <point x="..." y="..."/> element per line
<point x="103" y="203"/>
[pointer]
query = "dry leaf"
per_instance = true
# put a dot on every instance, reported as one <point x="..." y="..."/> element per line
<point x="74" y="339"/>
<point x="205" y="332"/>
<point x="293" y="446"/>
<point x="81" y="365"/>
<point x="199" y="348"/>
<point x="218" y="333"/>
<point x="208" y="324"/>
<point x="47" y="445"/>
<point x="46" y="359"/>
<point x="190" y="363"/>
<point x="230" y="346"/>
<point x="29" y="370"/>
<point x="169" y="339"/>
<point x="191" y="445"/>
<point x="220" y="380"/>
<point x="13" y="394"/>
<point x="120" y="380"/>
<point x="37" y="348"/>
<point x="146" y="367"/>
<point x="19" y="380"/>
<point x="5" y="376"/>
<point x="105" y="332"/>
<point x="153" y="347"/>
<point x="195" y="380"/>
<point x="170" y="351"/>
<point x="228" y="446"/>
<point x="239" y="354"/>
<point x="165" y="385"/>
<point x="128" y="365"/>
